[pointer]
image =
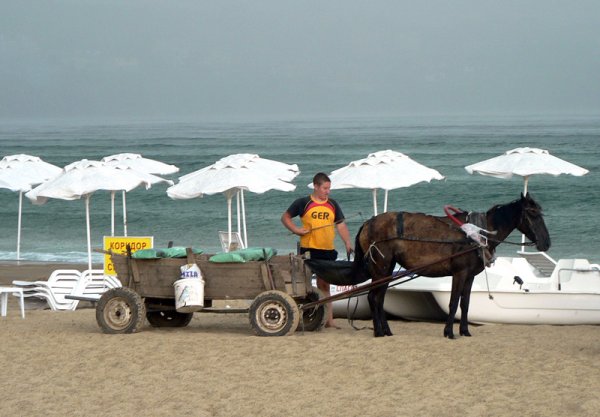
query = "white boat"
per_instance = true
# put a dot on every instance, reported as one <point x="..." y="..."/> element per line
<point x="355" y="307"/>
<point x="413" y="300"/>
<point x="530" y="289"/>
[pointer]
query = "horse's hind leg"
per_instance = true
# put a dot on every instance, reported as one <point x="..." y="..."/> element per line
<point x="464" y="307"/>
<point x="376" y="298"/>
<point x="452" y="308"/>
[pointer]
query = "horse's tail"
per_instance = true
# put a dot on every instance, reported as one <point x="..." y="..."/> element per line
<point x="359" y="266"/>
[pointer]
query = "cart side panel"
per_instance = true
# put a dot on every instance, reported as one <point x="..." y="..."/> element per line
<point x="232" y="280"/>
<point x="155" y="277"/>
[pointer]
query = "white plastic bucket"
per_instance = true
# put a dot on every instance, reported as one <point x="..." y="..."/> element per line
<point x="189" y="295"/>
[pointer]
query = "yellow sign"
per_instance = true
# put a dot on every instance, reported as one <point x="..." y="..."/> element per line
<point x="118" y="244"/>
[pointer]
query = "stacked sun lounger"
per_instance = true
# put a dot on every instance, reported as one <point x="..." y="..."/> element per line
<point x="66" y="287"/>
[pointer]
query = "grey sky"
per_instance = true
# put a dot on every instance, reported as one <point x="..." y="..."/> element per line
<point x="198" y="59"/>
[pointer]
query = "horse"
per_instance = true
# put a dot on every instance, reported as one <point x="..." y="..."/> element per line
<point x="435" y="246"/>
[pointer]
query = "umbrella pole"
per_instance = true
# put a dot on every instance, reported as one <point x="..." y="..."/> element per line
<point x="112" y="213"/>
<point x="229" y="197"/>
<point x="124" y="215"/>
<point x="19" y="226"/>
<point x="87" y="221"/>
<point x="237" y="206"/>
<point x="245" y="243"/>
<point x="525" y="182"/>
<point x="374" y="201"/>
<point x="385" y="201"/>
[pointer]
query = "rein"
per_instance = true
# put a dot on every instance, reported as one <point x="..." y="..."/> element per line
<point x="449" y="208"/>
<point x="381" y="281"/>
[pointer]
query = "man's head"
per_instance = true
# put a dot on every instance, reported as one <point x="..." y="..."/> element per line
<point x="322" y="186"/>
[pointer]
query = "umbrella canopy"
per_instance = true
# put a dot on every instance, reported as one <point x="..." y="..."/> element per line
<point x="386" y="170"/>
<point x="20" y="173"/>
<point x="525" y="162"/>
<point x="81" y="179"/>
<point x="11" y="180"/>
<point x="231" y="176"/>
<point x="141" y="165"/>
<point x="138" y="163"/>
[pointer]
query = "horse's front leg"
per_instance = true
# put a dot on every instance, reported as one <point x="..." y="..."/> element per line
<point x="464" y="307"/>
<point x="376" y="298"/>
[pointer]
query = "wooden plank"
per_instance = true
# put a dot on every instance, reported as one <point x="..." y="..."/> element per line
<point x="267" y="281"/>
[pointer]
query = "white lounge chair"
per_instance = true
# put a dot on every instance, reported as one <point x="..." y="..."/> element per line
<point x="94" y="284"/>
<point x="58" y="275"/>
<point x="65" y="288"/>
<point x="60" y="283"/>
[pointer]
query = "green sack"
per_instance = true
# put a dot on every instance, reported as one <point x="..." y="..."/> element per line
<point x="177" y="252"/>
<point x="244" y="255"/>
<point x="174" y="252"/>
<point x="227" y="257"/>
<point x="145" y="254"/>
<point x="257" y="254"/>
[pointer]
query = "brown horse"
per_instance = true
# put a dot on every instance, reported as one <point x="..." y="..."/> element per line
<point x="436" y="247"/>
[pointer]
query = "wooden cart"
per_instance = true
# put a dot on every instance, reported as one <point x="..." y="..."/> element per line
<point x="276" y="288"/>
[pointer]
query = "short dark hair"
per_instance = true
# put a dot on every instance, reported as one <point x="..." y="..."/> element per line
<point x="320" y="178"/>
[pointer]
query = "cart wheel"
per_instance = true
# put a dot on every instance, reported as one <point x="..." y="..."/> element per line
<point x="274" y="313"/>
<point x="120" y="310"/>
<point x="313" y="319"/>
<point x="168" y="318"/>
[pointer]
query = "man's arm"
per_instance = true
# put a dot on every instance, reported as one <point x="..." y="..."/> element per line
<point x="286" y="219"/>
<point x="344" y="233"/>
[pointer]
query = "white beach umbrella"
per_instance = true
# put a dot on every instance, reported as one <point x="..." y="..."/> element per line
<point x="231" y="176"/>
<point x="20" y="173"/>
<point x="141" y="165"/>
<point x="386" y="170"/>
<point x="525" y="162"/>
<point x="82" y="178"/>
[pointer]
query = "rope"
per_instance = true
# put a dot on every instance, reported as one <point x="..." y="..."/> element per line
<point x="373" y="245"/>
<point x="490" y="296"/>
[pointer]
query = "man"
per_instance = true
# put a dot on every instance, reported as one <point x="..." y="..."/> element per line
<point x="319" y="214"/>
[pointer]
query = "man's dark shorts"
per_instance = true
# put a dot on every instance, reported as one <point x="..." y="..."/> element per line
<point x="327" y="255"/>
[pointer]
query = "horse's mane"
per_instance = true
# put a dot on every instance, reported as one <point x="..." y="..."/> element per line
<point x="501" y="212"/>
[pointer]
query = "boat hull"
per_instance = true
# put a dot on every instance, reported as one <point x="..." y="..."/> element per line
<point x="528" y="307"/>
<point x="413" y="305"/>
<point x="353" y="308"/>
<point x="512" y="291"/>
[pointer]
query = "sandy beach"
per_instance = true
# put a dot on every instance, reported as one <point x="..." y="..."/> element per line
<point x="60" y="363"/>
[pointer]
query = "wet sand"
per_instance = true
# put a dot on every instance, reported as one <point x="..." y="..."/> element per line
<point x="60" y="363"/>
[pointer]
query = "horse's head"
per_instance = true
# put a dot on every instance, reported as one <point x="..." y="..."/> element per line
<point x="532" y="223"/>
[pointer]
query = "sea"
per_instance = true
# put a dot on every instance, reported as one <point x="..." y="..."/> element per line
<point x="56" y="231"/>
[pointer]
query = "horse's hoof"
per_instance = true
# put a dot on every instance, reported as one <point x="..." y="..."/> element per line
<point x="448" y="334"/>
<point x="465" y="333"/>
